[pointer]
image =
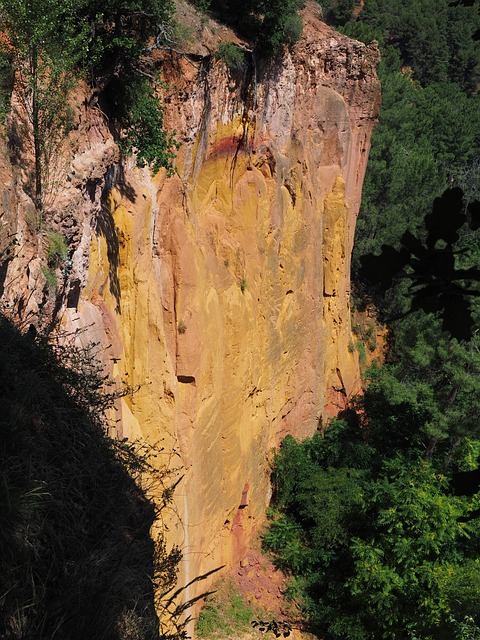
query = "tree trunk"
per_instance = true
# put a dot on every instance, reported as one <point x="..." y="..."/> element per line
<point x="37" y="143"/>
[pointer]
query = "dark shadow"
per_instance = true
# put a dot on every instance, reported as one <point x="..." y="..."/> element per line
<point x="16" y="137"/>
<point x="105" y="226"/>
<point x="436" y="284"/>
<point x="466" y="483"/>
<point x="3" y="274"/>
<point x="76" y="557"/>
<point x="116" y="178"/>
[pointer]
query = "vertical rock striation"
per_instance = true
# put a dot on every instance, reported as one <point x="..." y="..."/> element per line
<point x="223" y="292"/>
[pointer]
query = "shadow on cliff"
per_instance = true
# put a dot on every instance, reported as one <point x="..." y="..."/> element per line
<point x="435" y="268"/>
<point x="105" y="226"/>
<point x="76" y="557"/>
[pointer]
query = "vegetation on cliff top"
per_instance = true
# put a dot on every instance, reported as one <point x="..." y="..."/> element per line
<point x="50" y="45"/>
<point x="268" y="24"/>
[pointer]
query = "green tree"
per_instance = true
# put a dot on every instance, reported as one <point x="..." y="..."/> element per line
<point x="46" y="42"/>
<point x="52" y="43"/>
<point x="377" y="546"/>
<point x="423" y="136"/>
<point x="432" y="37"/>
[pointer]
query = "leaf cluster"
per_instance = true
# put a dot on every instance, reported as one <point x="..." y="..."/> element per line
<point x="140" y="120"/>
<point x="433" y="38"/>
<point x="232" y="55"/>
<point x="271" y="24"/>
<point x="377" y="545"/>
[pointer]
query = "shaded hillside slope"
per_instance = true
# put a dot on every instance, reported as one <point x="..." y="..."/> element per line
<point x="76" y="557"/>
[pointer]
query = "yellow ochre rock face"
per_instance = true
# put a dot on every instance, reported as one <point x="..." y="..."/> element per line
<point x="222" y="293"/>
<point x="225" y="291"/>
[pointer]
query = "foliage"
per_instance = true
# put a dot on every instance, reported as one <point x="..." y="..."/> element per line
<point x="50" y="42"/>
<point x="232" y="55"/>
<point x="423" y="138"/>
<point x="224" y="613"/>
<point x="467" y="178"/>
<point x="337" y="12"/>
<point x="277" y="627"/>
<point x="120" y="30"/>
<point x="76" y="557"/>
<point x="433" y="38"/>
<point x="269" y="23"/>
<point x="140" y="119"/>
<point x="121" y="33"/>
<point x="7" y="77"/>
<point x="382" y="544"/>
<point x="57" y="249"/>
<point x="44" y="43"/>
<point x="467" y="629"/>
<point x="429" y="123"/>
<point x="50" y="276"/>
<point x="202" y="5"/>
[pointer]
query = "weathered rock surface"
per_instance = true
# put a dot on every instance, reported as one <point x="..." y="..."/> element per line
<point x="222" y="292"/>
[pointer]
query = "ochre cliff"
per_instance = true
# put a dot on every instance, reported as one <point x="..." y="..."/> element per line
<point x="222" y="292"/>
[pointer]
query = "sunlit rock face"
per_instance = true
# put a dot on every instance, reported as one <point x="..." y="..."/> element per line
<point x="222" y="293"/>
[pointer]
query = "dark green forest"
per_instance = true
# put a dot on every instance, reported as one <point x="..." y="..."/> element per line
<point x="377" y="517"/>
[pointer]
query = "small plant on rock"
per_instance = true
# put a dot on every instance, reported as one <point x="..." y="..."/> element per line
<point x="57" y="249"/>
<point x="232" y="55"/>
<point x="182" y="327"/>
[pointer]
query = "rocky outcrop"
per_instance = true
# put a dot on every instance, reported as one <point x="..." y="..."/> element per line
<point x="222" y="292"/>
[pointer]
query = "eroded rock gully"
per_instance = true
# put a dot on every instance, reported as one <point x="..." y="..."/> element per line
<point x="222" y="292"/>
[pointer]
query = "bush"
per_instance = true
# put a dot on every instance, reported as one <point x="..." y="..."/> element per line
<point x="140" y="120"/>
<point x="57" y="249"/>
<point x="377" y="549"/>
<point x="232" y="55"/>
<point x="224" y="613"/>
<point x="270" y="24"/>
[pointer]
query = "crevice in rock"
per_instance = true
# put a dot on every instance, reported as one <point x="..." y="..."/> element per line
<point x="205" y="117"/>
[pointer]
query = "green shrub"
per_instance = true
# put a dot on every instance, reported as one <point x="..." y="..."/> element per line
<point x="467" y="629"/>
<point x="202" y="5"/>
<point x="232" y="55"/>
<point x="224" y="613"/>
<point x="140" y="119"/>
<point x="270" y="24"/>
<point x="50" y="277"/>
<point x="57" y="249"/>
<point x="379" y="547"/>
